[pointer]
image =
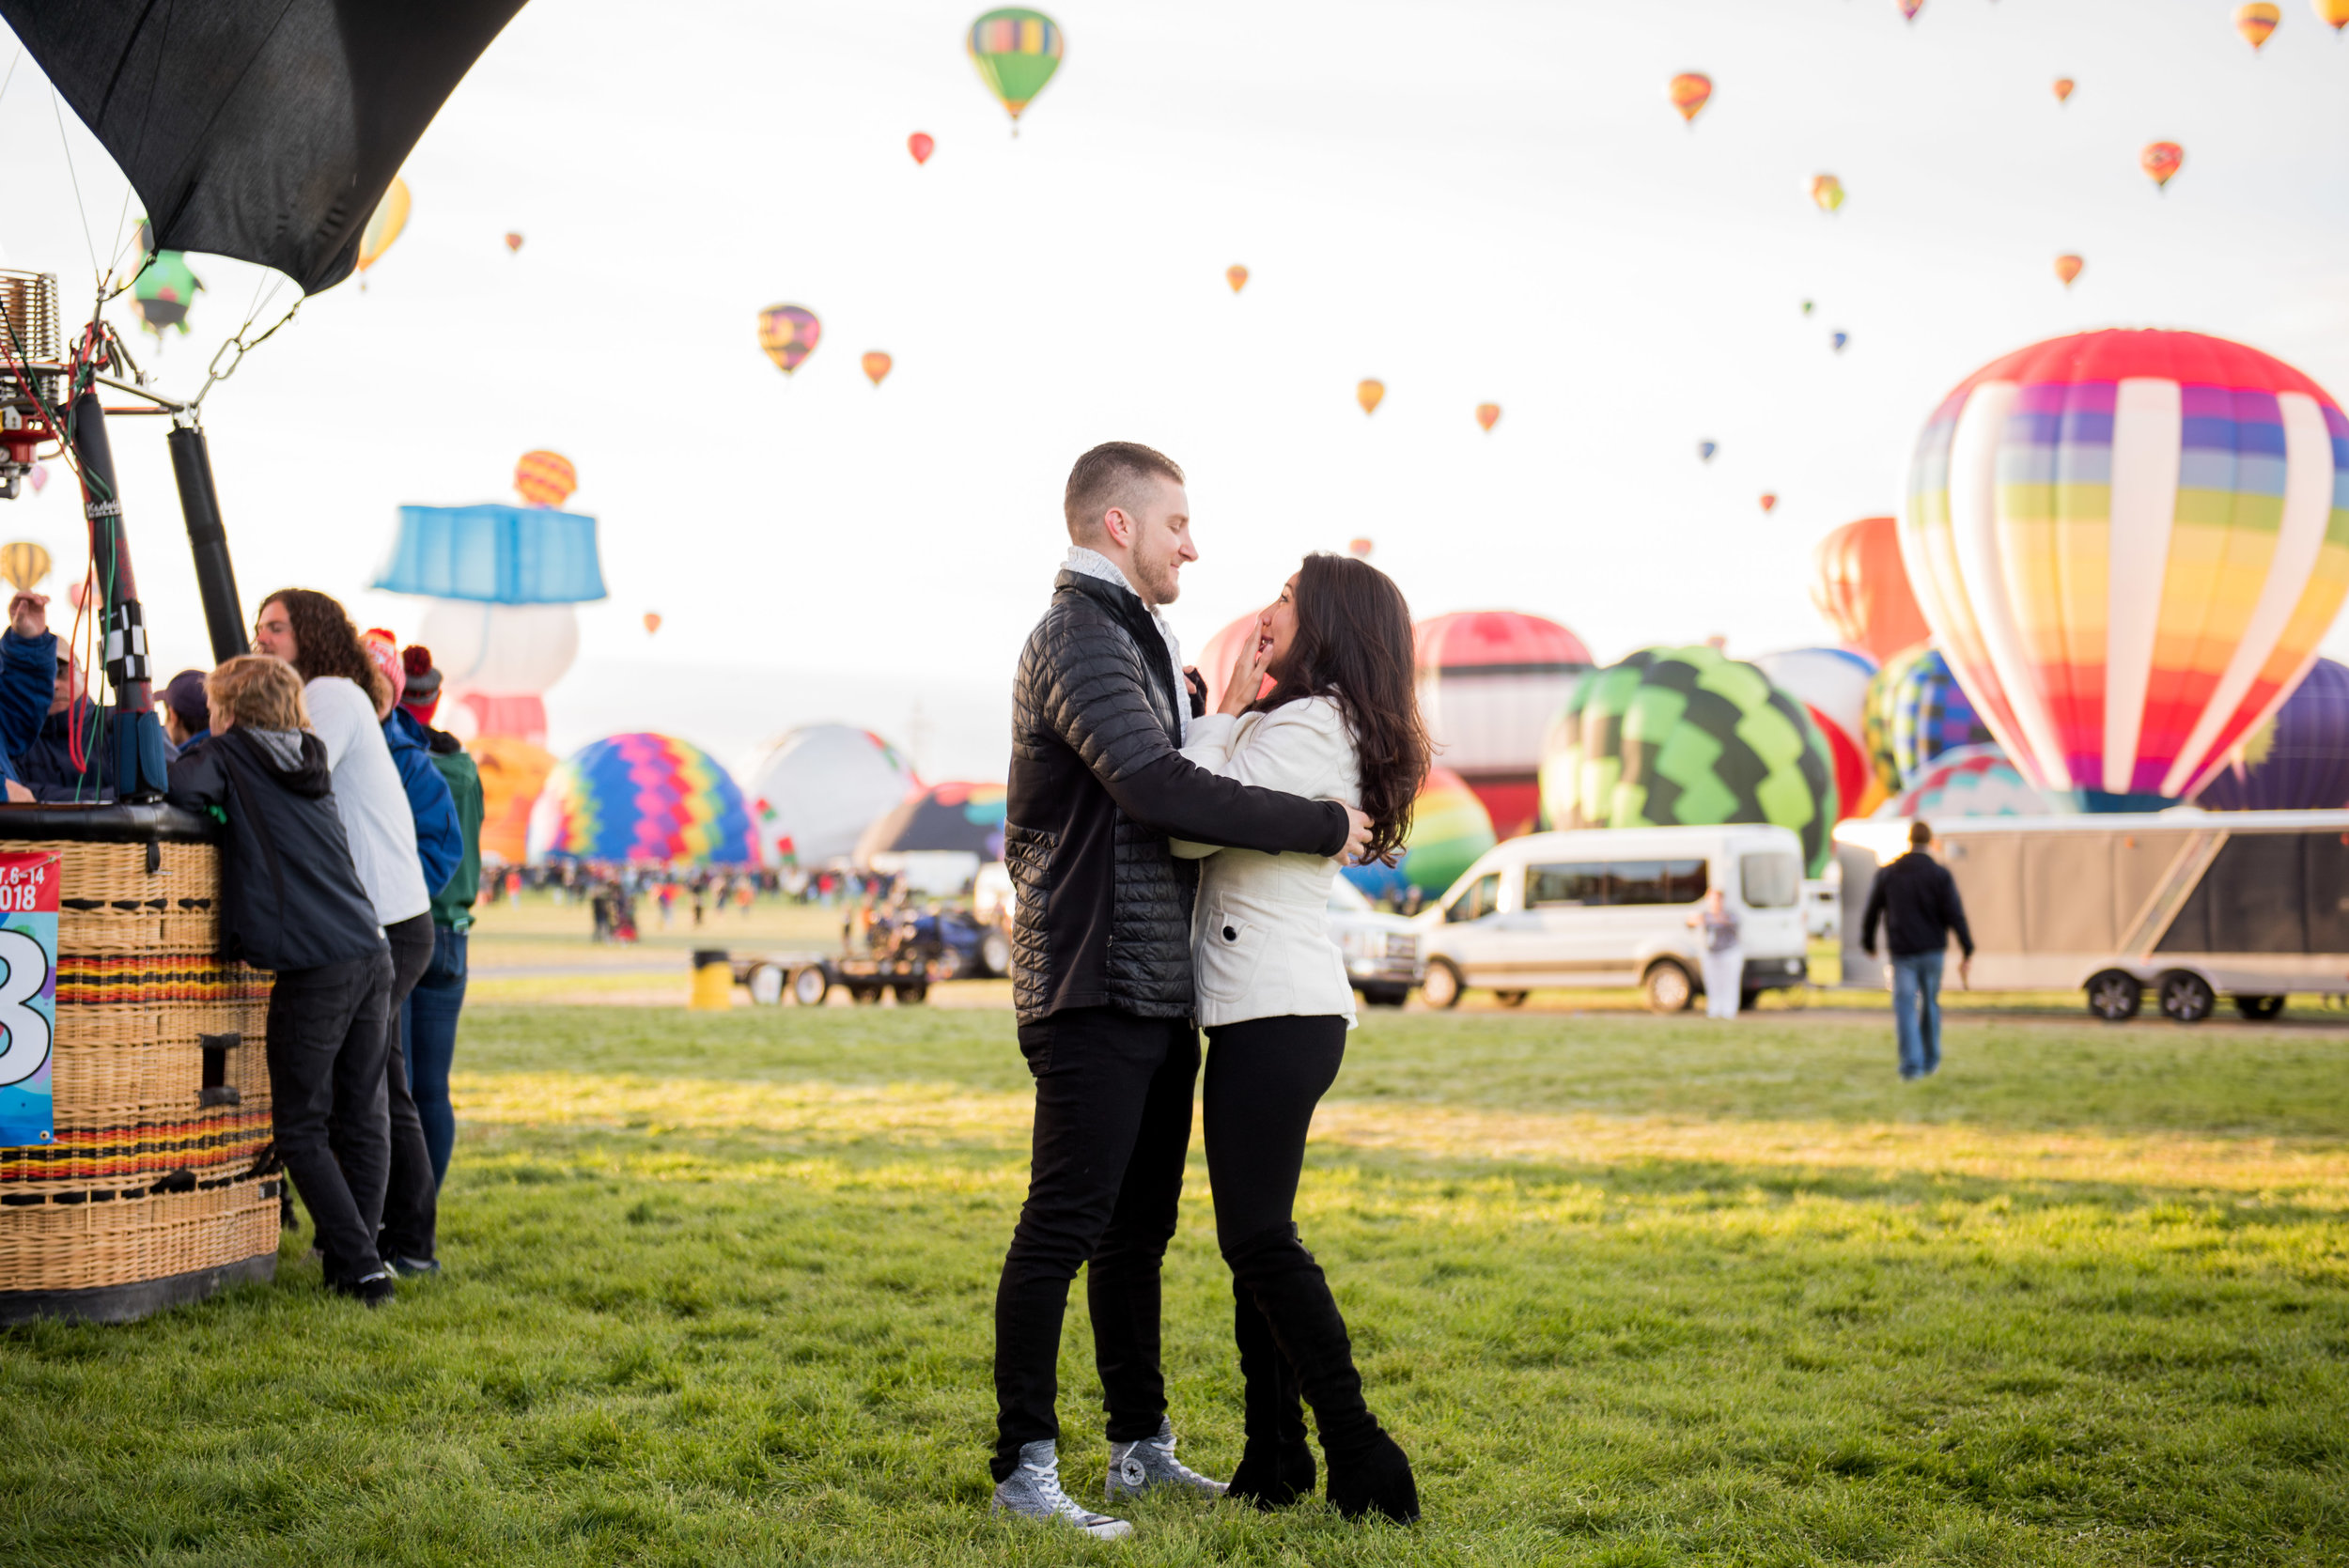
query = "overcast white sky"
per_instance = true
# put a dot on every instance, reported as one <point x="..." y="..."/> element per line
<point x="1477" y="200"/>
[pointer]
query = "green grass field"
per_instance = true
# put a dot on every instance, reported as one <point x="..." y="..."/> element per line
<point x="1632" y="1290"/>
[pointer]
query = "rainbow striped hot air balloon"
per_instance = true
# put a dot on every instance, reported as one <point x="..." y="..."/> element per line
<point x="1016" y="52"/>
<point x="1450" y="828"/>
<point x="640" y="798"/>
<point x="2129" y="545"/>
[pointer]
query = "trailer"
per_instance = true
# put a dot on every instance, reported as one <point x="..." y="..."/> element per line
<point x="806" y="979"/>
<point x="2187" y="904"/>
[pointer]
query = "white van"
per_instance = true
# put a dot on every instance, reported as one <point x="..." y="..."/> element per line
<point x="1609" y="907"/>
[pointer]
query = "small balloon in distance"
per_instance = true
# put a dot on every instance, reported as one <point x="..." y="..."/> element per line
<point x="2332" y="13"/>
<point x="2064" y="90"/>
<point x="920" y="143"/>
<point x="1016" y="52"/>
<point x="2255" y="22"/>
<point x="1808" y="306"/>
<point x="1237" y="275"/>
<point x="513" y="244"/>
<point x="23" y="564"/>
<point x="877" y="365"/>
<point x="1827" y="191"/>
<point x="2068" y="267"/>
<point x="1909" y="8"/>
<point x="39" y="477"/>
<point x="1688" y="92"/>
<point x="1489" y="415"/>
<point x="788" y="334"/>
<point x="1359" y="549"/>
<point x="1769" y="500"/>
<point x="545" y="478"/>
<point x="1370" y="394"/>
<point x="652" y="622"/>
<point x="2160" y="161"/>
<point x="1706" y="450"/>
<point x="1837" y="340"/>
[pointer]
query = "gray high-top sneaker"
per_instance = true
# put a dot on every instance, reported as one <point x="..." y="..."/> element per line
<point x="1136" y="1467"/>
<point x="1034" y="1493"/>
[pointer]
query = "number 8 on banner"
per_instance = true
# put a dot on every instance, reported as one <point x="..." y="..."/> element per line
<point x="25" y="1047"/>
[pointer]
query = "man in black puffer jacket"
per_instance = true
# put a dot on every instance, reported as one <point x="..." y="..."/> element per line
<point x="1101" y="970"/>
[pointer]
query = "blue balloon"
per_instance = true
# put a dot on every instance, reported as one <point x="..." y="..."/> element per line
<point x="1706" y="450"/>
<point x="1839" y="339"/>
<point x="494" y="554"/>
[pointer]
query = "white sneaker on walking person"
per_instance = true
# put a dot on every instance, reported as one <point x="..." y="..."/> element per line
<point x="1138" y="1467"/>
<point x="1032" y="1491"/>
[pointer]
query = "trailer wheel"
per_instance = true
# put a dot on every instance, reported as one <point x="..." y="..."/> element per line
<point x="864" y="995"/>
<point x="2257" y="1008"/>
<point x="2186" y="996"/>
<point x="811" y="986"/>
<point x="908" y="995"/>
<point x="1442" y="987"/>
<point x="1511" y="999"/>
<point x="766" y="984"/>
<point x="2114" y="995"/>
<point x="1669" y="987"/>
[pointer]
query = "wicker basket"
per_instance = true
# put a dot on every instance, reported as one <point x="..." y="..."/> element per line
<point x="159" y="1185"/>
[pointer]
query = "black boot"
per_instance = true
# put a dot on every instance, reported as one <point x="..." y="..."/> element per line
<point x="1276" y="1466"/>
<point x="1368" y="1472"/>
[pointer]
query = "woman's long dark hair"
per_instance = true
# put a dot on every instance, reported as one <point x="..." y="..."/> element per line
<point x="326" y="642"/>
<point x="1353" y="646"/>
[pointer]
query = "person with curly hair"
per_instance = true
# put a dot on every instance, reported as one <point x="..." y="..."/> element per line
<point x="347" y="696"/>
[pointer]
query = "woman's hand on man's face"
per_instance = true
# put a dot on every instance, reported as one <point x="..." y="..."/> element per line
<point x="1247" y="672"/>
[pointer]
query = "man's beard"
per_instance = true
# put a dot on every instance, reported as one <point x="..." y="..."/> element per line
<point x="1158" y="581"/>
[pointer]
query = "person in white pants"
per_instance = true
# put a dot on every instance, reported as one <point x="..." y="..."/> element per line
<point x="1724" y="956"/>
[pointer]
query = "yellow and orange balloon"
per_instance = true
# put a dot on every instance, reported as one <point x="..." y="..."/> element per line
<point x="2256" y="20"/>
<point x="1689" y="92"/>
<point x="2161" y="161"/>
<point x="652" y="622"/>
<point x="1489" y="415"/>
<point x="1827" y="191"/>
<point x="877" y="365"/>
<point x="1370" y="394"/>
<point x="545" y="478"/>
<point x="1237" y="275"/>
<point x="2068" y="267"/>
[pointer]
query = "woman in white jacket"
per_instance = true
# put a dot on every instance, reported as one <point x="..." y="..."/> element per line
<point x="1341" y="722"/>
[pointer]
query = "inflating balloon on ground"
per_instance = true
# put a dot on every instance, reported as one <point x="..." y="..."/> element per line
<point x="814" y="794"/>
<point x="1489" y="683"/>
<point x="1916" y="712"/>
<point x="2297" y="760"/>
<point x="1449" y="829"/>
<point x="640" y="798"/>
<point x="1832" y="686"/>
<point x="1971" y="780"/>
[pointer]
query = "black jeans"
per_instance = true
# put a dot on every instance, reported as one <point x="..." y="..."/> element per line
<point x="412" y="1200"/>
<point x="1112" y="1124"/>
<point x="1264" y="1079"/>
<point x="326" y="1088"/>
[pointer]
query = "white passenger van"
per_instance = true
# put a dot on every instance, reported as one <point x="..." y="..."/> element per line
<point x="1610" y="906"/>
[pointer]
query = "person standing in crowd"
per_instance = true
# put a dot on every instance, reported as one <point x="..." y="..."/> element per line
<point x="292" y="901"/>
<point x="1722" y="956"/>
<point x="45" y="712"/>
<point x="1101" y="972"/>
<point x="187" y="712"/>
<point x="429" y="1026"/>
<point x="1916" y="899"/>
<point x="346" y="696"/>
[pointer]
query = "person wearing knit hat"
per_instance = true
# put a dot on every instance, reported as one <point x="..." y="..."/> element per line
<point x="429" y="1016"/>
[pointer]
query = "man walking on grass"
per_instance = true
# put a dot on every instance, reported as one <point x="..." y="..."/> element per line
<point x="1916" y="898"/>
<point x="1102" y="971"/>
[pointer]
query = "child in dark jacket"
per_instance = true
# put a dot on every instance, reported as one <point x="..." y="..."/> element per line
<point x="291" y="902"/>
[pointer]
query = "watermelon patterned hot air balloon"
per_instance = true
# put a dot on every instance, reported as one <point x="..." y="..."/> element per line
<point x="1449" y="829"/>
<point x="2129" y="544"/>
<point x="1688" y="737"/>
<point x="1832" y="684"/>
<point x="789" y="334"/>
<point x="1489" y="683"/>
<point x="2297" y="761"/>
<point x="1972" y="781"/>
<point x="1016" y="52"/>
<point x="1858" y="582"/>
<point x="545" y="478"/>
<point x="1916" y="712"/>
<point x="640" y="798"/>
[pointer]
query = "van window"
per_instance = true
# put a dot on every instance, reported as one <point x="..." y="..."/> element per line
<point x="1770" y="881"/>
<point x="1593" y="883"/>
<point x="1482" y="898"/>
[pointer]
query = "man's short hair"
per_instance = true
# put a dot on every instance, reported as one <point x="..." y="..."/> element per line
<point x="260" y="693"/>
<point x="1113" y="473"/>
<point x="1920" y="833"/>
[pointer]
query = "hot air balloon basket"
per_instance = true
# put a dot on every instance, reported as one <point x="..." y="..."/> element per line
<point x="159" y="1182"/>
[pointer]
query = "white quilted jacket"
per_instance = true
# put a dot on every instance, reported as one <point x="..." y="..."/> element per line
<point x="1260" y="941"/>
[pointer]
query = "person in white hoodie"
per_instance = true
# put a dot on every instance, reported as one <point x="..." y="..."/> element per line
<point x="1341" y="722"/>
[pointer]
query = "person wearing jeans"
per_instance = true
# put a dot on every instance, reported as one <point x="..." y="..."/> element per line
<point x="1916" y="899"/>
<point x="428" y="1025"/>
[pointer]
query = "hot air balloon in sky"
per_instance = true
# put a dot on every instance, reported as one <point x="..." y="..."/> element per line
<point x="1689" y="91"/>
<point x="513" y="244"/>
<point x="1489" y="682"/>
<point x="1016" y="52"/>
<point x="920" y="143"/>
<point x="789" y="334"/>
<point x="2255" y="21"/>
<point x="2297" y="761"/>
<point x="877" y="365"/>
<point x="2128" y="544"/>
<point x="638" y="798"/>
<point x="40" y="476"/>
<point x="1237" y="275"/>
<point x="2332" y="13"/>
<point x="1449" y="829"/>
<point x="2160" y="161"/>
<point x="1972" y="781"/>
<point x="2068" y="267"/>
<point x="391" y="216"/>
<point x="1706" y="450"/>
<point x="1489" y="415"/>
<point x="2064" y="90"/>
<point x="1808" y="305"/>
<point x="1770" y="502"/>
<point x="1688" y="736"/>
<point x="23" y="564"/>
<point x="1858" y="582"/>
<point x="652" y="622"/>
<point x="1827" y="191"/>
<point x="545" y="478"/>
<point x="1370" y="394"/>
<point x="1916" y="712"/>
<point x="1909" y="8"/>
<point x="1837" y="340"/>
<point x="165" y="288"/>
<point x="1359" y="549"/>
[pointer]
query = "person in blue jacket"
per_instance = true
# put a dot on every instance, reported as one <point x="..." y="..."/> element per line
<point x="42" y="704"/>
